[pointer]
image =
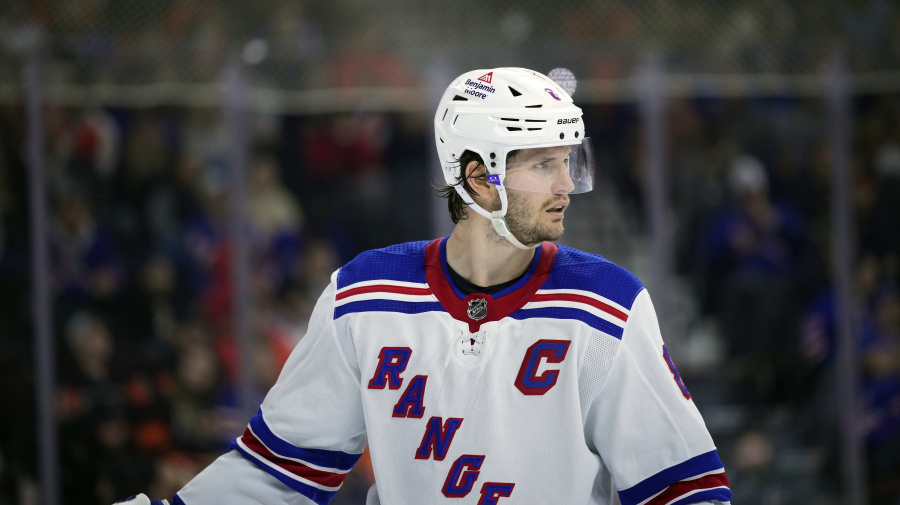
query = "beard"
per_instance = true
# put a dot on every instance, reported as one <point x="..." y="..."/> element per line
<point x="524" y="222"/>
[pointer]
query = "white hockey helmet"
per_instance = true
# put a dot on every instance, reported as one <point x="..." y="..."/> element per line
<point x="493" y="112"/>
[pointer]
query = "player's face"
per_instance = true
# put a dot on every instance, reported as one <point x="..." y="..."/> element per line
<point x="534" y="217"/>
<point x="540" y="170"/>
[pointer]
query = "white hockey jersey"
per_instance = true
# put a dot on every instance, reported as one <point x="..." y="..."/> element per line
<point x="556" y="390"/>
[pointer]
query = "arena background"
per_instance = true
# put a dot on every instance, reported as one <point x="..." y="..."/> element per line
<point x="178" y="179"/>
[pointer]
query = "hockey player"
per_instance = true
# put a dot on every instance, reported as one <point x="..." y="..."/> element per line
<point x="492" y="366"/>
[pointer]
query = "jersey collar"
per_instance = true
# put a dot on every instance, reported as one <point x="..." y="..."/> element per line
<point x="499" y="305"/>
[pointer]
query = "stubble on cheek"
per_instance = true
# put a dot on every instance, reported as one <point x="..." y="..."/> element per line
<point x="530" y="228"/>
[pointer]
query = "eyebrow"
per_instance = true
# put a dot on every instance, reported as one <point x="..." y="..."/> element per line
<point x="541" y="159"/>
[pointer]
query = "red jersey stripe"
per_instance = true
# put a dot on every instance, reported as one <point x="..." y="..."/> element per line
<point x="318" y="476"/>
<point x="571" y="297"/>
<point x="382" y="288"/>
<point x="686" y="486"/>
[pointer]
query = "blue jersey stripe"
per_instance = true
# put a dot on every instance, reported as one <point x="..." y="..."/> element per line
<point x="574" y="269"/>
<point x="401" y="262"/>
<point x="721" y="494"/>
<point x="318" y="457"/>
<point x="387" y="306"/>
<point x="177" y="500"/>
<point x="654" y="484"/>
<point x="315" y="494"/>
<point x="571" y="313"/>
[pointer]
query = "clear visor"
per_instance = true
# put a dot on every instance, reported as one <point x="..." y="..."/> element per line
<point x="558" y="170"/>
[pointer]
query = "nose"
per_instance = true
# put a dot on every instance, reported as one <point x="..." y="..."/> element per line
<point x="562" y="183"/>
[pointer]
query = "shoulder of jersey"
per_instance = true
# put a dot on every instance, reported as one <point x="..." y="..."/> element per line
<point x="575" y="270"/>
<point x="401" y="263"/>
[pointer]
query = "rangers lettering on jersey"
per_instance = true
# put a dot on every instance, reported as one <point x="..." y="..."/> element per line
<point x="391" y="363"/>
<point x="462" y="476"/>
<point x="437" y="438"/>
<point x="410" y="404"/>
<point x="491" y="492"/>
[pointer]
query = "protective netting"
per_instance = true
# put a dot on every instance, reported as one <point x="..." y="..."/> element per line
<point x="312" y="45"/>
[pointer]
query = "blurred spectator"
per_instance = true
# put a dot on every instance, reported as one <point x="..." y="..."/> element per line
<point x="754" y="250"/>
<point x="881" y="365"/>
<point x="84" y="153"/>
<point x="86" y="265"/>
<point x="344" y="163"/>
<point x="752" y="238"/>
<point x="175" y="200"/>
<point x="89" y="388"/>
<point x="277" y="226"/>
<point x="158" y="302"/>
<point x="198" y="423"/>
<point x="883" y="232"/>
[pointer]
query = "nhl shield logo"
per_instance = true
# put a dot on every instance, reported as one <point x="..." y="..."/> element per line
<point x="477" y="309"/>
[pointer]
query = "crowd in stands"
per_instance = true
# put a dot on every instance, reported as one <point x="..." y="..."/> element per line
<point x="141" y="270"/>
<point x="752" y="192"/>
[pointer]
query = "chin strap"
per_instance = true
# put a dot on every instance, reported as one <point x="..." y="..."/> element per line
<point x="497" y="217"/>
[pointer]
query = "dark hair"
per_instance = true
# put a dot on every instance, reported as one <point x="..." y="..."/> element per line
<point x="455" y="203"/>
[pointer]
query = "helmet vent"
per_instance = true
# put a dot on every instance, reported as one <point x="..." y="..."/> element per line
<point x="442" y="140"/>
<point x="509" y="119"/>
<point x="445" y="114"/>
<point x="535" y="120"/>
<point x="458" y="98"/>
<point x="538" y="106"/>
<point x="513" y="128"/>
<point x="455" y="118"/>
<point x="514" y="91"/>
<point x="538" y="129"/>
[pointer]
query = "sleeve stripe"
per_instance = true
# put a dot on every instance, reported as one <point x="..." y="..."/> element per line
<point x="674" y="493"/>
<point x="320" y="496"/>
<point x="721" y="494"/>
<point x="331" y="460"/>
<point x="325" y="478"/>
<point x="557" y="312"/>
<point x="684" y="471"/>
<point x="570" y="297"/>
<point x="382" y="288"/>
<point x="589" y="294"/>
<point x="177" y="500"/>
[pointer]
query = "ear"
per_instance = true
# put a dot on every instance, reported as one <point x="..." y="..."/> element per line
<point x="475" y="173"/>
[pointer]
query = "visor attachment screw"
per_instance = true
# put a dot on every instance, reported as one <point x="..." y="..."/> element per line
<point x="493" y="164"/>
<point x="493" y="155"/>
<point x="576" y="135"/>
<point x="562" y="136"/>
